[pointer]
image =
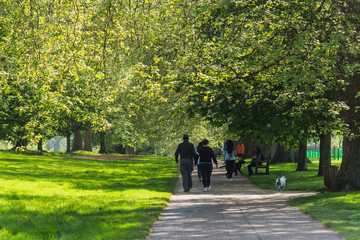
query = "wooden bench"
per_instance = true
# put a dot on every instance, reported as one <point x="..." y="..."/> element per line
<point x="260" y="165"/>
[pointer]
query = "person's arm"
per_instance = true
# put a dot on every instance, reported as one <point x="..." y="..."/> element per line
<point x="214" y="158"/>
<point x="177" y="154"/>
<point x="194" y="155"/>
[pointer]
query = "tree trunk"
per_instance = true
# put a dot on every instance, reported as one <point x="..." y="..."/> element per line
<point x="21" y="143"/>
<point x="348" y="177"/>
<point x="325" y="152"/>
<point x="87" y="139"/>
<point x="40" y="145"/>
<point x="102" y="143"/>
<point x="302" y="165"/>
<point x="77" y="141"/>
<point x="129" y="150"/>
<point x="68" y="142"/>
<point x="282" y="155"/>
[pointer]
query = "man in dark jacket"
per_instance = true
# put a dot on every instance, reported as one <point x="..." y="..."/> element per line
<point x="187" y="154"/>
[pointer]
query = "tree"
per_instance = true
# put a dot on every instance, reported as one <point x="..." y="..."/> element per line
<point x="267" y="68"/>
<point x="348" y="67"/>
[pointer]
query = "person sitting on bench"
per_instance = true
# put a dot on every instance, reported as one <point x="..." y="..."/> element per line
<point x="257" y="158"/>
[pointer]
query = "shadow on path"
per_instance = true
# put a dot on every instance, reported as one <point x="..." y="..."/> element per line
<point x="236" y="210"/>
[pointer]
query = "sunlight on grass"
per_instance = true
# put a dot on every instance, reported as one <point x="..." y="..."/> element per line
<point x="295" y="180"/>
<point x="338" y="211"/>
<point x="64" y="198"/>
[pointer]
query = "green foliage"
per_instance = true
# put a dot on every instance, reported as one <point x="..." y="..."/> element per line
<point x="64" y="198"/>
<point x="267" y="68"/>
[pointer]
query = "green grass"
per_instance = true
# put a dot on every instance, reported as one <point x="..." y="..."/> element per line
<point x="46" y="197"/>
<point x="302" y="180"/>
<point x="338" y="211"/>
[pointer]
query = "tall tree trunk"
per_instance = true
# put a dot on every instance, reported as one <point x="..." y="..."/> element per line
<point x="348" y="177"/>
<point x="40" y="145"/>
<point x="302" y="164"/>
<point x="325" y="152"/>
<point x="129" y="150"/>
<point x="87" y="139"/>
<point x="102" y="143"/>
<point x="21" y="143"/>
<point x="68" y="142"/>
<point x="78" y="141"/>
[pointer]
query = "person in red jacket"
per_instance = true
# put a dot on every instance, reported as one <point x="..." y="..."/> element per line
<point x="240" y="150"/>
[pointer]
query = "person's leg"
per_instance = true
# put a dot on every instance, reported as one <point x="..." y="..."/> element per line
<point x="190" y="168"/>
<point x="184" y="169"/>
<point x="209" y="171"/>
<point x="203" y="172"/>
<point x="231" y="168"/>
<point x="227" y="167"/>
<point x="250" y="168"/>
<point x="199" y="173"/>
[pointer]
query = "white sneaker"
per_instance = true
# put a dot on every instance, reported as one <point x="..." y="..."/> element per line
<point x="209" y="188"/>
<point x="205" y="189"/>
<point x="230" y="179"/>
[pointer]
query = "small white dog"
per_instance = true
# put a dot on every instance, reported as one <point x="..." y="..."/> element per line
<point x="280" y="182"/>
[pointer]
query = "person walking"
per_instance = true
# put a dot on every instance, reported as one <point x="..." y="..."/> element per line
<point x="207" y="156"/>
<point x="197" y="159"/>
<point x="240" y="150"/>
<point x="258" y="157"/>
<point x="187" y="154"/>
<point x="229" y="159"/>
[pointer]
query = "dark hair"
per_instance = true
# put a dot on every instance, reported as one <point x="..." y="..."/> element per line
<point x="205" y="142"/>
<point x="229" y="146"/>
<point x="199" y="145"/>
<point x="185" y="137"/>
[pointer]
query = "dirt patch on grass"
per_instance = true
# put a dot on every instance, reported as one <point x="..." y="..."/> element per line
<point x="105" y="157"/>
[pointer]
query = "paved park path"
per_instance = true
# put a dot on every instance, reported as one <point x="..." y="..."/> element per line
<point x="236" y="210"/>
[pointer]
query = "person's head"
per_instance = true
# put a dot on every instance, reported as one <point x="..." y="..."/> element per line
<point x="205" y="142"/>
<point x="229" y="146"/>
<point x="186" y="137"/>
<point x="200" y="145"/>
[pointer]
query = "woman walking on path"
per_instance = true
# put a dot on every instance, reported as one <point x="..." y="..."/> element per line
<point x="205" y="164"/>
<point x="197" y="159"/>
<point x="229" y="159"/>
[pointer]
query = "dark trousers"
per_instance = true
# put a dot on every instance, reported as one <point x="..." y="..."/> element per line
<point x="205" y="171"/>
<point x="230" y="164"/>
<point x="199" y="173"/>
<point x="186" y="168"/>
<point x="253" y="164"/>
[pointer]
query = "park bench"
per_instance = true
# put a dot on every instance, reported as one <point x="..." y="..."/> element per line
<point x="262" y="165"/>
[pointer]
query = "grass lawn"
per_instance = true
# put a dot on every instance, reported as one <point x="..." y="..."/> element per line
<point x="339" y="211"/>
<point x="47" y="197"/>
